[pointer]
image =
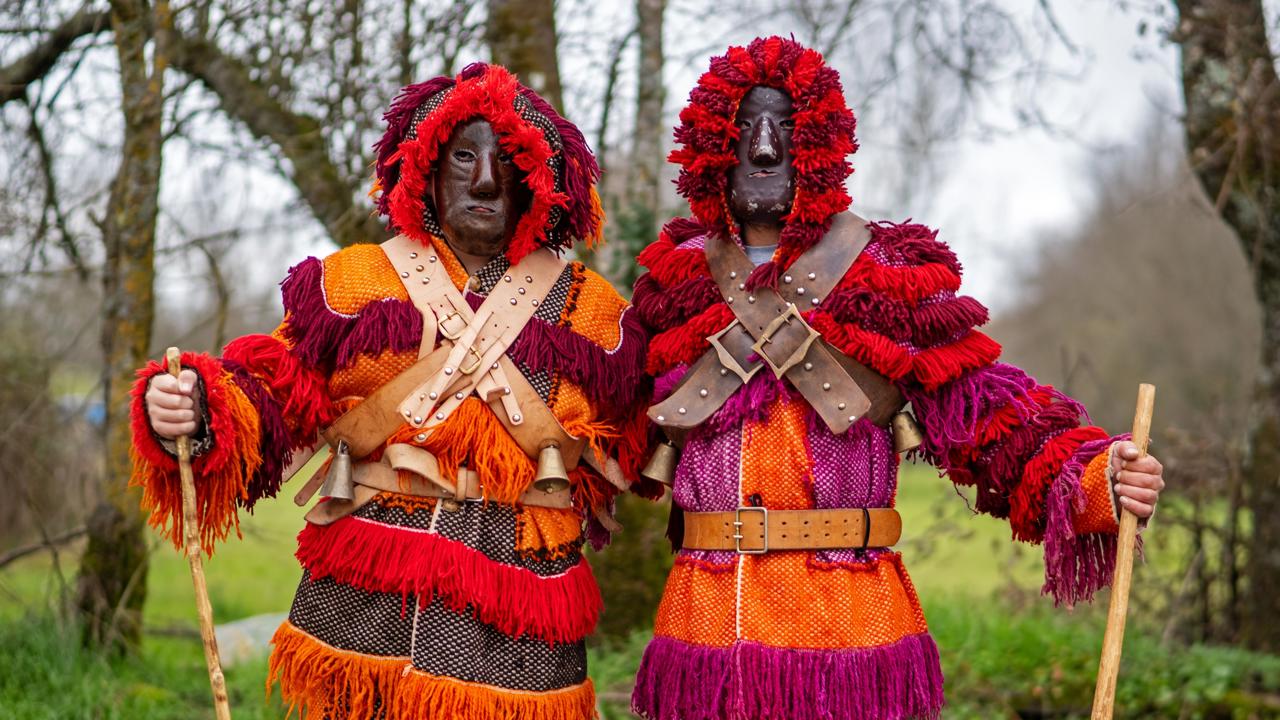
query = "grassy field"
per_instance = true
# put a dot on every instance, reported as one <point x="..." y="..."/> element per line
<point x="1038" y="661"/>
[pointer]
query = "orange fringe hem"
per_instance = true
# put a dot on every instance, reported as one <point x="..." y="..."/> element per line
<point x="319" y="680"/>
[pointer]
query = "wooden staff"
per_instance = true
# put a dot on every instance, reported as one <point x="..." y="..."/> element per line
<point x="191" y="536"/>
<point x="1104" y="695"/>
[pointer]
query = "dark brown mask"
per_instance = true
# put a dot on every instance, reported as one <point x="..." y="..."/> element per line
<point x="762" y="185"/>
<point x="479" y="193"/>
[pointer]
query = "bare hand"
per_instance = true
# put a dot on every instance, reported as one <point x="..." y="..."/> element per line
<point x="1138" y="480"/>
<point x="172" y="405"/>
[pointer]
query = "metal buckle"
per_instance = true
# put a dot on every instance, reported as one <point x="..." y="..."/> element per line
<point x="452" y="334"/>
<point x="737" y="526"/>
<point x="766" y="337"/>
<point x="727" y="360"/>
<point x="475" y="365"/>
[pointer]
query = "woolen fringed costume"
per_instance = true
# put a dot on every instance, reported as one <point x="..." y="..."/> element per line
<point x="839" y="633"/>
<point x="413" y="606"/>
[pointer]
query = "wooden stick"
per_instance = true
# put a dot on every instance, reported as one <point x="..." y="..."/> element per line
<point x="1104" y="695"/>
<point x="191" y="538"/>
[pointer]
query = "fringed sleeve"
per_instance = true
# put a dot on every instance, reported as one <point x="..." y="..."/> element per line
<point x="1026" y="449"/>
<point x="262" y="402"/>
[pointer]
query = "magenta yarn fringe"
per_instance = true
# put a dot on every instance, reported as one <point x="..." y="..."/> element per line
<point x="1075" y="566"/>
<point x="275" y="443"/>
<point x="612" y="378"/>
<point x="680" y="681"/>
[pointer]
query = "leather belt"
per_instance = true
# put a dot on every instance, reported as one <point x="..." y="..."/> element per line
<point x="756" y="530"/>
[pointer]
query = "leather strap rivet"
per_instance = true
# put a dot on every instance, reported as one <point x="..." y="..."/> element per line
<point x="404" y="274"/>
<point x="729" y="300"/>
<point x="808" y="366"/>
<point x="724" y="371"/>
<point x="420" y="437"/>
<point x="826" y="386"/>
<point x="413" y="256"/>
<point x="799" y="291"/>
<point x="493" y="366"/>
<point x="417" y="420"/>
<point x="682" y="411"/>
<point x="702" y="392"/>
<point x="853" y="418"/>
<point x="515" y="418"/>
<point x="733" y="274"/>
<point x="535" y="303"/>
<point x="408" y="414"/>
<point x="786" y="278"/>
<point x="742" y="286"/>
<point x="814" y="301"/>
<point x="813" y="276"/>
<point x="506" y="278"/>
<point x="513" y="301"/>
<point x="420" y="268"/>
<point x="751" y="299"/>
<point x="528" y="278"/>
<point x="422" y="396"/>
<point x="448" y="371"/>
<point x="841" y="406"/>
<point x="433" y="396"/>
<point x="506" y="390"/>
<point x="458" y="395"/>
<point x="474" y="283"/>
<point x="426" y="280"/>
<point x="521" y="290"/>
<point x="662" y="418"/>
<point x="439" y="416"/>
<point x="431" y="259"/>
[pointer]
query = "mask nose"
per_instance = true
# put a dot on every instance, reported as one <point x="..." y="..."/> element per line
<point x="766" y="143"/>
<point x="484" y="178"/>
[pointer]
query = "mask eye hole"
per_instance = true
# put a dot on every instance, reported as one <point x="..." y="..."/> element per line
<point x="744" y="124"/>
<point x="787" y="124"/>
<point x="464" y="155"/>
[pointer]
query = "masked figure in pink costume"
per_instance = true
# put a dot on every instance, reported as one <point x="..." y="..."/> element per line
<point x="788" y="336"/>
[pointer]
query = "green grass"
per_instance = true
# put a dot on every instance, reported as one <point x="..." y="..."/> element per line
<point x="1003" y="648"/>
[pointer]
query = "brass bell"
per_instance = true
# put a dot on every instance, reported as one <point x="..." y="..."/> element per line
<point x="907" y="434"/>
<point x="662" y="464"/>
<point x="552" y="476"/>
<point x="338" y="483"/>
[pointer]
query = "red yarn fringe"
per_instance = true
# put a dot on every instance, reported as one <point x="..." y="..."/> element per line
<point x="385" y="558"/>
<point x="1027" y="504"/>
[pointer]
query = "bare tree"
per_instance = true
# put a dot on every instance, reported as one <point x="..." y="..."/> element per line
<point x="1232" y="96"/>
<point x="113" y="569"/>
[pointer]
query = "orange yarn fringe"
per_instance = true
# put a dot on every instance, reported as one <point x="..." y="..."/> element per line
<point x="320" y="681"/>
<point x="218" y="489"/>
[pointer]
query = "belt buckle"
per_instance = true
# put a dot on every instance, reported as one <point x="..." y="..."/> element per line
<point x="467" y="370"/>
<point x="766" y="337"/>
<point x="737" y="526"/>
<point x="452" y="334"/>
<point x="727" y="360"/>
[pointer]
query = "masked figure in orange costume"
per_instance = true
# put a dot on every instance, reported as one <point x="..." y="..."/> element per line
<point x="443" y="575"/>
<point x="788" y="336"/>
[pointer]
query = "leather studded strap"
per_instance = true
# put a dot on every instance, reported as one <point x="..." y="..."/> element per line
<point x="770" y="335"/>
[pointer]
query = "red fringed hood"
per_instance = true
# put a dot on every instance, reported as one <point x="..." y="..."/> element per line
<point x="822" y="141"/>
<point x="559" y="168"/>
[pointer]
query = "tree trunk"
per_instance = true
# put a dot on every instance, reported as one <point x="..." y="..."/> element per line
<point x="522" y="38"/>
<point x="647" y="159"/>
<point x="113" y="572"/>
<point x="1232" y="118"/>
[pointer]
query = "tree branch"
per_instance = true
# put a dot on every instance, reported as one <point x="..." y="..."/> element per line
<point x="311" y="169"/>
<point x="49" y="543"/>
<point x="16" y="76"/>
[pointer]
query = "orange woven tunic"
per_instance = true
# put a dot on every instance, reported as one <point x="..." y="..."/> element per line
<point x="406" y="608"/>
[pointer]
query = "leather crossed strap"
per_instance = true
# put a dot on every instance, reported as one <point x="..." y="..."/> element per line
<point x="769" y="334"/>
<point x="755" y="530"/>
<point x="470" y="358"/>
